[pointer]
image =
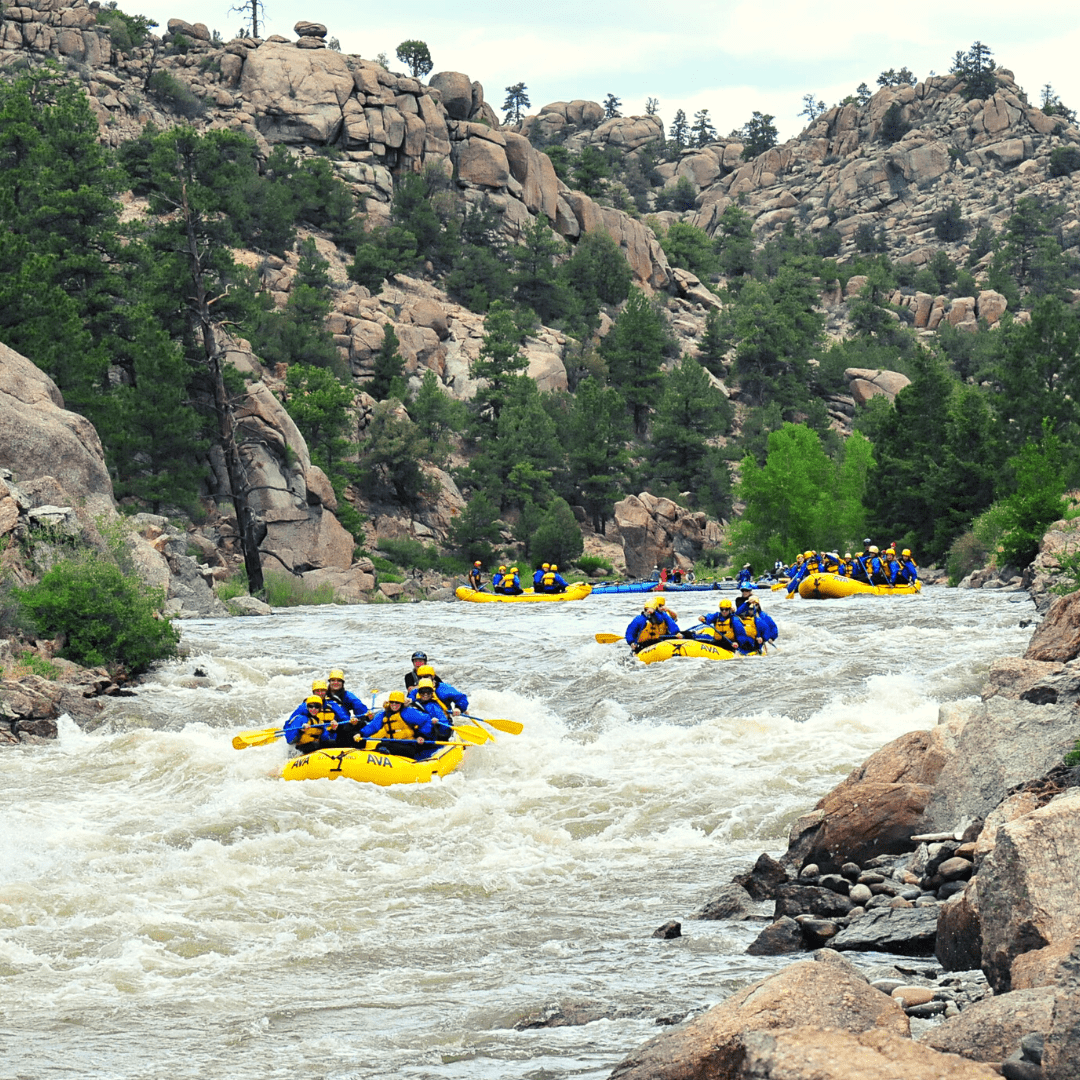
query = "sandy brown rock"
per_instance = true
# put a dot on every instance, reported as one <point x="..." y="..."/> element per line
<point x="877" y="808"/>
<point x="1057" y="637"/>
<point x="826" y="991"/>
<point x="807" y="1053"/>
<point x="991" y="1029"/>
<point x="1027" y="886"/>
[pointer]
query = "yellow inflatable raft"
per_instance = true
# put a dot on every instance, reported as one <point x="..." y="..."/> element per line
<point x="370" y="767"/>
<point x="834" y="586"/>
<point x="577" y="591"/>
<point x="665" y="650"/>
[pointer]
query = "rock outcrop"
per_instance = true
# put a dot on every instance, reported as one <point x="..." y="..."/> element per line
<point x="658" y="532"/>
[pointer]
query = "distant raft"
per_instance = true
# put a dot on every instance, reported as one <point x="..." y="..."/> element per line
<point x="371" y="767"/>
<point x="665" y="650"/>
<point x="577" y="591"/>
<point x="835" y="586"/>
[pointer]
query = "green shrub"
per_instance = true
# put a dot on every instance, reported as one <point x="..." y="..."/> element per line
<point x="174" y="94"/>
<point x="284" y="590"/>
<point x="232" y="587"/>
<point x="1064" y="160"/>
<point x="588" y="563"/>
<point x="949" y="224"/>
<point x="966" y="555"/>
<point x="1072" y="758"/>
<point x="107" y="616"/>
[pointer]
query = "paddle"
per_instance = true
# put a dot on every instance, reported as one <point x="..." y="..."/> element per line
<point x="511" y="727"/>
<point x="609" y="639"/>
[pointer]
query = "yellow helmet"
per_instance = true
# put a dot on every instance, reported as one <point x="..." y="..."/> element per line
<point x="513" y="570"/>
<point x="502" y="569"/>
<point x="807" y="554"/>
<point x="725" y="603"/>
<point x="847" y="554"/>
<point x="320" y="684"/>
<point x="545" y="566"/>
<point x="477" y="563"/>
<point x="651" y="604"/>
<point x="906" y="553"/>
<point x="554" y="567"/>
<point x="874" y="550"/>
<point x="396" y="695"/>
<point x="337" y="673"/>
<point x="313" y="700"/>
<point x="661" y="601"/>
<point x="425" y="670"/>
<point x="425" y="684"/>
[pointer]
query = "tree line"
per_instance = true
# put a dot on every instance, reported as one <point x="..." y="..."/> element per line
<point x="985" y="434"/>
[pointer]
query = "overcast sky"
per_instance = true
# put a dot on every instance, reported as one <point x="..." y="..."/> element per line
<point x="728" y="56"/>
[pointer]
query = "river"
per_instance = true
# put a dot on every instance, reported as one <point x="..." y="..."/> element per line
<point x="170" y="908"/>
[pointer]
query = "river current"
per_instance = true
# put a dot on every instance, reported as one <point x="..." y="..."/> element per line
<point x="171" y="908"/>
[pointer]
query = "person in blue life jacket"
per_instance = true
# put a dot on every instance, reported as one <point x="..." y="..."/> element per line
<point x="355" y="709"/>
<point x="398" y="729"/>
<point x="425" y="697"/>
<point x="756" y="623"/>
<point x="723" y="628"/>
<point x="652" y="625"/>
<point x="476" y="577"/>
<point x="908" y="571"/>
<point x="552" y="581"/>
<point x="892" y="566"/>
<point x="510" y="585"/>
<point x="744" y="576"/>
<point x="308" y="728"/>
<point x="876" y="572"/>
<point x="497" y="579"/>
<point x="809" y="565"/>
<point x="538" y="576"/>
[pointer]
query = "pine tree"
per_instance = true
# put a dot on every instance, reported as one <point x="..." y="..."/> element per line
<point x="634" y="350"/>
<point x="388" y="380"/>
<point x="416" y="55"/>
<point x="679" y="132"/>
<point x="517" y="101"/>
<point x="611" y="107"/>
<point x="499" y="363"/>
<point x="703" y="130"/>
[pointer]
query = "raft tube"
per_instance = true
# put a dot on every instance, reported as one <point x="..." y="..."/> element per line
<point x="665" y="650"/>
<point x="835" y="586"/>
<point x="370" y="767"/>
<point x="577" y="591"/>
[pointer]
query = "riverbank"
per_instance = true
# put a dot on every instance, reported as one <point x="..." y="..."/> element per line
<point x="957" y="849"/>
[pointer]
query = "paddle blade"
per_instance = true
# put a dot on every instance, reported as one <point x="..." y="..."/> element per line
<point x="259" y="737"/>
<point x="473" y="735"/>
<point x="511" y="727"/>
<point x="608" y="639"/>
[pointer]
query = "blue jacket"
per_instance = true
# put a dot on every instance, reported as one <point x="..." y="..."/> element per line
<point x="300" y="717"/>
<point x="418" y="721"/>
<point x="551" y="582"/>
<point x="908" y="572"/>
<point x="447" y="695"/>
<point x="663" y="625"/>
<point x="744" y="575"/>
<point x="350" y="704"/>
<point x="508" y="584"/>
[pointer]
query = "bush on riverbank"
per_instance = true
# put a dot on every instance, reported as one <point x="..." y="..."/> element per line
<point x="107" y="616"/>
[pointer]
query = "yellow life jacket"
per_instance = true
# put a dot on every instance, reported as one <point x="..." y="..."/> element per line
<point x="721" y="629"/>
<point x="749" y="625"/>
<point x="323" y="716"/>
<point x="548" y="580"/>
<point x="394" y="727"/>
<point x="653" y="631"/>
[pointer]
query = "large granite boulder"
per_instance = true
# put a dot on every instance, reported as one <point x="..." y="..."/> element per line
<point x="1057" y="637"/>
<point x="826" y="991"/>
<point x="991" y="1029"/>
<point x="996" y="745"/>
<point x="806" y="1053"/>
<point x="297" y="95"/>
<point x="40" y="438"/>
<point x="658" y="532"/>
<point x="877" y="808"/>
<point x="1027" y="886"/>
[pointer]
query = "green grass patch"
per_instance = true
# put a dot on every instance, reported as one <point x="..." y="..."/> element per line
<point x="284" y="590"/>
